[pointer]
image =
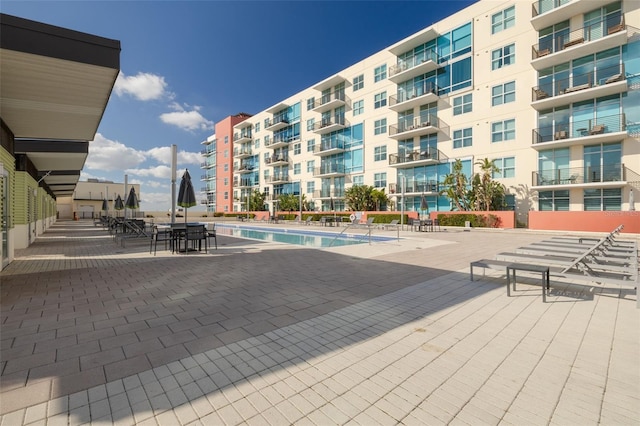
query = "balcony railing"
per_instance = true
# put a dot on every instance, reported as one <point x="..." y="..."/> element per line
<point x="539" y="7"/>
<point x="329" y="99"/>
<point x="325" y="193"/>
<point x="430" y="153"/>
<point x="242" y="151"/>
<point x="552" y="44"/>
<point x="417" y="123"/>
<point x="277" y="178"/>
<point x="328" y="145"/>
<point x="279" y="122"/>
<point x="415" y="187"/>
<point x="580" y="129"/>
<point x="413" y="61"/>
<point x="580" y="175"/>
<point x="242" y="135"/>
<point x="418" y="90"/>
<point x="328" y="169"/>
<point x="277" y="159"/>
<point x="597" y="77"/>
<point x="245" y="167"/>
<point x="331" y="122"/>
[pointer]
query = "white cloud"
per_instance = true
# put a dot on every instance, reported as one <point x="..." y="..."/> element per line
<point x="105" y="154"/>
<point x="163" y="155"/>
<point x="187" y="120"/>
<point x="159" y="172"/>
<point x="142" y="86"/>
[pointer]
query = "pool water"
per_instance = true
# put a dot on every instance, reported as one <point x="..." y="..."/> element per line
<point x="295" y="236"/>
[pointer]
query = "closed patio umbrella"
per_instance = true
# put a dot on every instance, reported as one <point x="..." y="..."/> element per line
<point x="132" y="200"/>
<point x="632" y="201"/>
<point x="118" y="204"/>
<point x="186" y="193"/>
<point x="424" y="205"/>
<point x="105" y="206"/>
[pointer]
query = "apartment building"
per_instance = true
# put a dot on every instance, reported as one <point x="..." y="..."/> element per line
<point x="549" y="91"/>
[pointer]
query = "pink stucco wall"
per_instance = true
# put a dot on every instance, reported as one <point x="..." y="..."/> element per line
<point x="585" y="221"/>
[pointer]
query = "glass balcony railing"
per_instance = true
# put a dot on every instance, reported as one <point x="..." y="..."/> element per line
<point x="326" y="169"/>
<point x="413" y="61"/>
<point x="543" y="6"/>
<point x="420" y="186"/>
<point x="415" y="91"/>
<point x="429" y="153"/>
<point x="580" y="175"/>
<point x="597" y="77"/>
<point x="560" y="41"/>
<point x="580" y="128"/>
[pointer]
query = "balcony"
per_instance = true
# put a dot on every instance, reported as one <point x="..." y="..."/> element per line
<point x="607" y="129"/>
<point x="244" y="168"/>
<point x="423" y="125"/>
<point x="242" y="137"/>
<point x="243" y="151"/>
<point x="548" y="12"/>
<point x="208" y="150"/>
<point x="331" y="101"/>
<point x="419" y="94"/>
<point x="408" y="159"/>
<point x="207" y="165"/>
<point x="413" y="66"/>
<point x="328" y="147"/>
<point x="327" y="194"/>
<point x="328" y="125"/>
<point x="610" y="175"/>
<point x="602" y="35"/>
<point x="595" y="84"/>
<point x="244" y="183"/>
<point x="277" y="160"/>
<point x="276" y="123"/>
<point x="280" y="141"/>
<point x="277" y="179"/>
<point x="328" y="170"/>
<point x="207" y="189"/>
<point x="429" y="187"/>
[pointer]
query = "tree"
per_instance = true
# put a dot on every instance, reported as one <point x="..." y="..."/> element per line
<point x="365" y="198"/>
<point x="291" y="202"/>
<point x="257" y="201"/>
<point x="456" y="187"/>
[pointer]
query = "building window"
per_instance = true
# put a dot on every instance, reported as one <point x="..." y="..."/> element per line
<point x="503" y="93"/>
<point x="256" y="143"/>
<point x="297" y="148"/>
<point x="380" y="100"/>
<point x="311" y="186"/>
<point x="358" y="107"/>
<point x="507" y="167"/>
<point x="380" y="180"/>
<point x="380" y="153"/>
<point x="358" y="82"/>
<point x="311" y="164"/>
<point x="297" y="168"/>
<point x="603" y="199"/>
<point x="503" y="56"/>
<point x="225" y="181"/>
<point x="256" y="127"/>
<point x="462" y="104"/>
<point x="266" y="157"/>
<point x="380" y="126"/>
<point x="380" y="73"/>
<point x="358" y="180"/>
<point x="553" y="201"/>
<point x="462" y="138"/>
<point x="503" y="20"/>
<point x="311" y="103"/>
<point x="226" y="195"/>
<point x="226" y="140"/>
<point x="503" y="130"/>
<point x="310" y="123"/>
<point x="311" y="143"/>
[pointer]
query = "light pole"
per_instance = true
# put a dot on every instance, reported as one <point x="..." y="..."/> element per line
<point x="300" y="197"/>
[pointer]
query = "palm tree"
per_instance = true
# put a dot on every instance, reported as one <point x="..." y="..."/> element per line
<point x="484" y="185"/>
<point x="456" y="187"/>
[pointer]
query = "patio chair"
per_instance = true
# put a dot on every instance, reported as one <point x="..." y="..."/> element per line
<point x="163" y="235"/>
<point x="191" y="235"/>
<point x="211" y="233"/>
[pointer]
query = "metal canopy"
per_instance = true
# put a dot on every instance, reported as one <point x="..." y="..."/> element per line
<point x="55" y="84"/>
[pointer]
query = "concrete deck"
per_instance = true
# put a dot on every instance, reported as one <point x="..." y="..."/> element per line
<point x="269" y="334"/>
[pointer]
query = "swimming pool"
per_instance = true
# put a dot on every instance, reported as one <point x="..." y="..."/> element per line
<point x="296" y="236"/>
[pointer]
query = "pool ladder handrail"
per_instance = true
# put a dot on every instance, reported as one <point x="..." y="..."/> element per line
<point x="369" y="228"/>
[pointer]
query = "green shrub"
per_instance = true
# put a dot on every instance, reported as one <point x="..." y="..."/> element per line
<point x="476" y="220"/>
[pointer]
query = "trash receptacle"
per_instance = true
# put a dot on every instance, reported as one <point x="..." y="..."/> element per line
<point x="467" y="224"/>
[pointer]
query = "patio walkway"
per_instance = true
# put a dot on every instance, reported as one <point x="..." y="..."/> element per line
<point x="263" y="333"/>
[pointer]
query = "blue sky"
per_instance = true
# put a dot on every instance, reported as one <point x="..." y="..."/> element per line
<point x="187" y="64"/>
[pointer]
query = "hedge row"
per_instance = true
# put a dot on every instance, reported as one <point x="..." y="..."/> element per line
<point x="476" y="220"/>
